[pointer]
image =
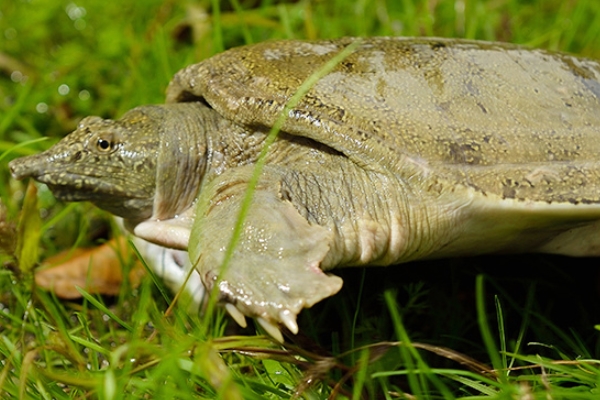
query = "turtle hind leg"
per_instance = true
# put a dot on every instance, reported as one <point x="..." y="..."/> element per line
<point x="274" y="271"/>
<point x="581" y="241"/>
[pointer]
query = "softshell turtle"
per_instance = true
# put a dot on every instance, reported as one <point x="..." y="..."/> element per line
<point x="410" y="148"/>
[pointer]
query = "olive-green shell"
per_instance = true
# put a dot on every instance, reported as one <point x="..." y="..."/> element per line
<point x="506" y="121"/>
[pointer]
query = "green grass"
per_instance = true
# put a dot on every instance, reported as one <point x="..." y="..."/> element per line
<point x="428" y="330"/>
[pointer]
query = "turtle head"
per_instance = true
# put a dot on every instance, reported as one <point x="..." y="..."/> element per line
<point x="113" y="164"/>
<point x="110" y="163"/>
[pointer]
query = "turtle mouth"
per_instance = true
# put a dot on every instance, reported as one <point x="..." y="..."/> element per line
<point x="80" y="188"/>
<point x="109" y="196"/>
<point x="69" y="186"/>
<point x="66" y="193"/>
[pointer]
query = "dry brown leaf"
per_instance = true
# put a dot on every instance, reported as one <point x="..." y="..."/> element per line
<point x="98" y="270"/>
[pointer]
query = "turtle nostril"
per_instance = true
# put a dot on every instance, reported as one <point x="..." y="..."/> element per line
<point x="15" y="171"/>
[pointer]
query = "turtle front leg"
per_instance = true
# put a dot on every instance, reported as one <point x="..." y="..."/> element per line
<point x="274" y="271"/>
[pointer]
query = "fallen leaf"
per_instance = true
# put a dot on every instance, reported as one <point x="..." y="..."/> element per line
<point x="98" y="270"/>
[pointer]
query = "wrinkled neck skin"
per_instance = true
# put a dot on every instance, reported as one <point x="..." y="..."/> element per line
<point x="199" y="144"/>
<point x="196" y="144"/>
<point x="181" y="159"/>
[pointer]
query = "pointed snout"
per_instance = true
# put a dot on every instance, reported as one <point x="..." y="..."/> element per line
<point x="30" y="166"/>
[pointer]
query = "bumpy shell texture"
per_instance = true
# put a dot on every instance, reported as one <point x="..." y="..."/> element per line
<point x="507" y="122"/>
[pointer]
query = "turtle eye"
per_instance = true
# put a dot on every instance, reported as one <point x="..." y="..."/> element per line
<point x="103" y="145"/>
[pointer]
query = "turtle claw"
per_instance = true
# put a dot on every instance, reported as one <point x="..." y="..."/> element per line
<point x="275" y="297"/>
<point x="271" y="329"/>
<point x="289" y="320"/>
<point x="236" y="315"/>
<point x="286" y="317"/>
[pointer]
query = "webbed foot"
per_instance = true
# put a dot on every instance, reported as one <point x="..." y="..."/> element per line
<point x="274" y="271"/>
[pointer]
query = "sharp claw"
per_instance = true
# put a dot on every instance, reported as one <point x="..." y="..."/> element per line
<point x="236" y="315"/>
<point x="289" y="321"/>
<point x="270" y="329"/>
